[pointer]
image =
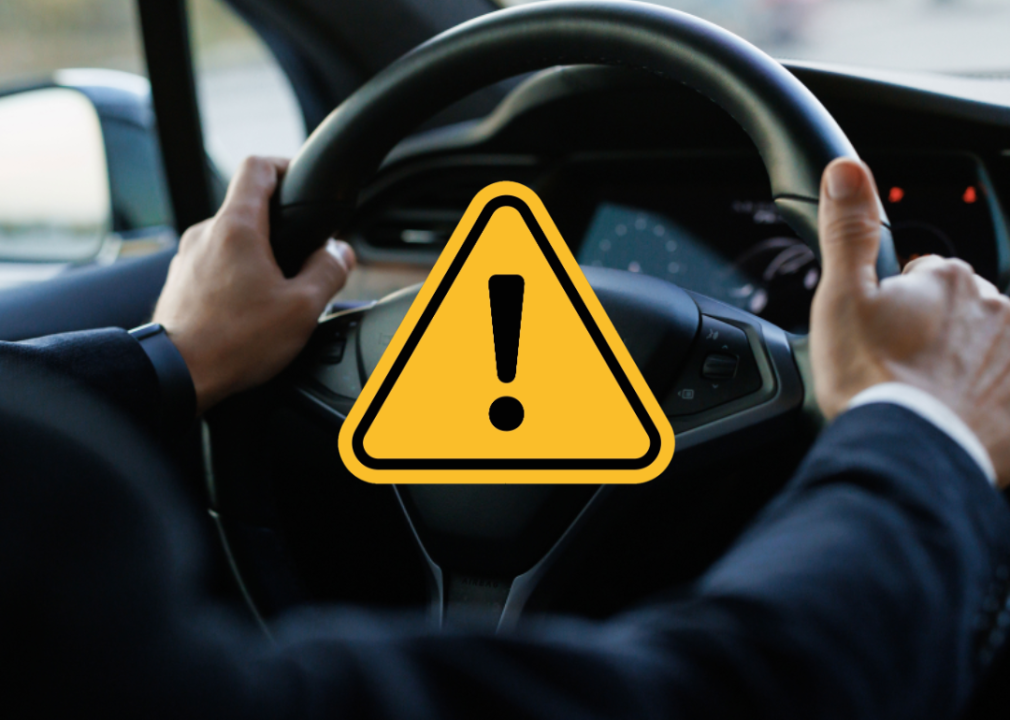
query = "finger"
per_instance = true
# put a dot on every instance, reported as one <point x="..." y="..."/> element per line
<point x="244" y="216"/>
<point x="193" y="235"/>
<point x="919" y="263"/>
<point x="989" y="291"/>
<point x="325" y="272"/>
<point x="937" y="264"/>
<point x="849" y="223"/>
<point x="952" y="271"/>
<point x="253" y="184"/>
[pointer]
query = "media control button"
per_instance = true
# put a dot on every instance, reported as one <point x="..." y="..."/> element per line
<point x="721" y="368"/>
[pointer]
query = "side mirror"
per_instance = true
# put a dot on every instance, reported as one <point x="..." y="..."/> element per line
<point x="54" y="186"/>
<point x="81" y="174"/>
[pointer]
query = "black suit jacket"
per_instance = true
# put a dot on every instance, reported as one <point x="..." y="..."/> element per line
<point x="875" y="585"/>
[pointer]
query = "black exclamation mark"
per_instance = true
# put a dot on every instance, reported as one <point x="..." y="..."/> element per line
<point x="506" y="292"/>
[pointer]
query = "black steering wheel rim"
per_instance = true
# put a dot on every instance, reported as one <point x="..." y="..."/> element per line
<point x="794" y="134"/>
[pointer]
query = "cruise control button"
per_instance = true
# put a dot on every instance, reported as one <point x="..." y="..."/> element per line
<point x="720" y="367"/>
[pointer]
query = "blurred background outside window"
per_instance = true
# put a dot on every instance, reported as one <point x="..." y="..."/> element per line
<point x="52" y="153"/>
<point x="38" y="37"/>
<point x="958" y="36"/>
<point x="248" y="106"/>
<point x="247" y="103"/>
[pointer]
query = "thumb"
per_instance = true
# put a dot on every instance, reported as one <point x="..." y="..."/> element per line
<point x="326" y="271"/>
<point x="849" y="223"/>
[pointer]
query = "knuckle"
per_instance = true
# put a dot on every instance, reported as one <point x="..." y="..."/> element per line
<point x="998" y="317"/>
<point x="925" y="263"/>
<point x="944" y="271"/>
<point x="962" y="268"/>
<point x="192" y="235"/>
<point x="986" y="289"/>
<point x="919" y="263"/>
<point x="306" y="301"/>
<point x="232" y="228"/>
<point x="961" y="278"/>
<point x="253" y="163"/>
<point x="997" y="306"/>
<point x="853" y="228"/>
<point x="187" y="239"/>
<point x="257" y="173"/>
<point x="951" y="272"/>
<point x="851" y="235"/>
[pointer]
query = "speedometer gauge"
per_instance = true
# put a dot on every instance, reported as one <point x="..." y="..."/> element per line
<point x="636" y="240"/>
<point x="709" y="225"/>
<point x="773" y="278"/>
<point x="786" y="273"/>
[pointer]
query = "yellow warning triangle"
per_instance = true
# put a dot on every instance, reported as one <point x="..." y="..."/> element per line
<point x="506" y="369"/>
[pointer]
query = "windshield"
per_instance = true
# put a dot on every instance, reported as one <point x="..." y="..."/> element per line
<point x="959" y="36"/>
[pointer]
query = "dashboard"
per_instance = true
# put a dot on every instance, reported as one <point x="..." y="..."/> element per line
<point x="651" y="178"/>
<point x="715" y="230"/>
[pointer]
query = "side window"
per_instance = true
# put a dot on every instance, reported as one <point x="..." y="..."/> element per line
<point x="74" y="103"/>
<point x="54" y="192"/>
<point x="40" y="37"/>
<point x="247" y="104"/>
<point x="248" y="107"/>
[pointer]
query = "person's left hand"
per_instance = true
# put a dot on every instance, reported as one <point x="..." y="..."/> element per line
<point x="235" y="318"/>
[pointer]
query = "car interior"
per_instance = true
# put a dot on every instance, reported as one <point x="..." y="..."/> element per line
<point x="681" y="165"/>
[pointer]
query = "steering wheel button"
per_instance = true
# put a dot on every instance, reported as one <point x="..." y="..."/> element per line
<point x="334" y="352"/>
<point x="720" y="367"/>
<point x="723" y="338"/>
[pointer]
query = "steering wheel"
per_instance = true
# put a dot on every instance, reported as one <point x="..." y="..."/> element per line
<point x="490" y="550"/>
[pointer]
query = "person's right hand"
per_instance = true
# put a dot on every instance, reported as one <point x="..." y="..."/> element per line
<point x="938" y="326"/>
<point x="236" y="320"/>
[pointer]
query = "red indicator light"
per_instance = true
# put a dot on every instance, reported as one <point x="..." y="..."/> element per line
<point x="970" y="195"/>
<point x="896" y="195"/>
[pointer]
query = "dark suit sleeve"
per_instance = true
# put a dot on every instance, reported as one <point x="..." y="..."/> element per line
<point x="108" y="361"/>
<point x="864" y="591"/>
<point x="867" y="590"/>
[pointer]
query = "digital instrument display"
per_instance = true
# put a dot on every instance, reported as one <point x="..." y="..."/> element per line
<point x="636" y="240"/>
<point x="727" y="240"/>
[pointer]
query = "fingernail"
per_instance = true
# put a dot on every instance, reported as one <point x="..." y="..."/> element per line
<point x="342" y="251"/>
<point x="844" y="180"/>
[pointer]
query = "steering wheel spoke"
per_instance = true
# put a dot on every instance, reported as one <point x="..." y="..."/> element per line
<point x="740" y="375"/>
<point x="715" y="369"/>
<point x="723" y="376"/>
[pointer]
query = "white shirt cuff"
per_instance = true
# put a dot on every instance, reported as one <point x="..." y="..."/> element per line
<point x="929" y="408"/>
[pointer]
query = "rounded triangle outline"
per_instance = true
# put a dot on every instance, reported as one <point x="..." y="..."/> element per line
<point x="506" y="470"/>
